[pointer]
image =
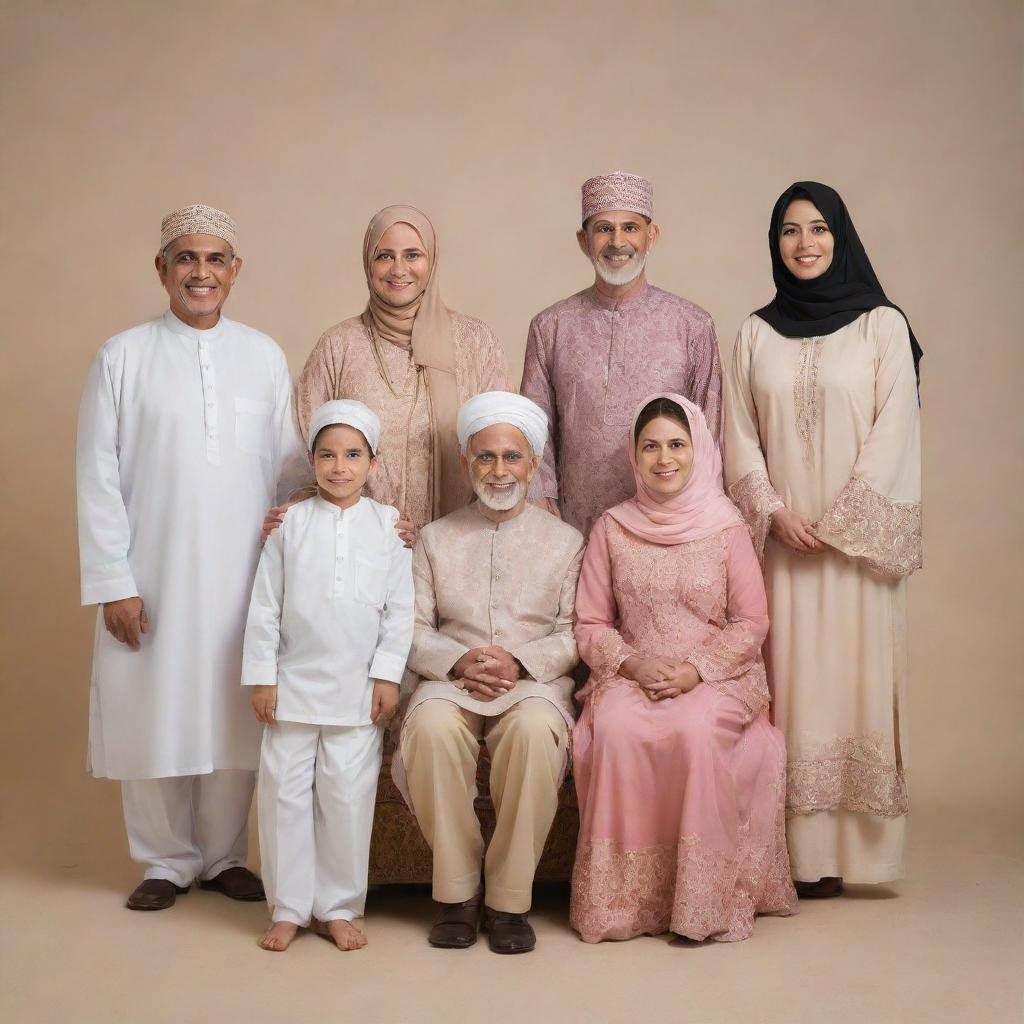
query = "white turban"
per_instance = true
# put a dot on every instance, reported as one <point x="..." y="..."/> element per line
<point x="345" y="412"/>
<point x="503" y="407"/>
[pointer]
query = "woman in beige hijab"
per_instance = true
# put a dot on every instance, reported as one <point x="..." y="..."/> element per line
<point x="414" y="362"/>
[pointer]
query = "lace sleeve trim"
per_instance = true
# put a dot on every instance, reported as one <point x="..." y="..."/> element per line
<point x="757" y="500"/>
<point x="608" y="652"/>
<point x="864" y="524"/>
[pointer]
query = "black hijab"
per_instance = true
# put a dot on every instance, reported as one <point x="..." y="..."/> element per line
<point x="848" y="289"/>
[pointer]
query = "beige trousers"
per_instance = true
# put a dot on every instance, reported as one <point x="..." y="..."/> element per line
<point x="440" y="746"/>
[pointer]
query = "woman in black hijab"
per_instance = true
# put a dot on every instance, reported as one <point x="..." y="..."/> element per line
<point x="822" y="455"/>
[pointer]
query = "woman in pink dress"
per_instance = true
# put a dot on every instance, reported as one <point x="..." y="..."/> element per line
<point x="680" y="774"/>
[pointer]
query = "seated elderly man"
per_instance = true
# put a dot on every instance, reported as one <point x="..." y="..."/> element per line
<point x="493" y="645"/>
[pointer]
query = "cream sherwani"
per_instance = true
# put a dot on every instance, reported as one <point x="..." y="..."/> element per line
<point x="182" y="439"/>
<point x="331" y="610"/>
<point x="478" y="584"/>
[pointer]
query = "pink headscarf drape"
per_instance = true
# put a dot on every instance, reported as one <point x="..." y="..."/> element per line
<point x="700" y="509"/>
<point x="426" y="326"/>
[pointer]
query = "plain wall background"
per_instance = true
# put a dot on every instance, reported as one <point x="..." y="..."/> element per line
<point x="303" y="119"/>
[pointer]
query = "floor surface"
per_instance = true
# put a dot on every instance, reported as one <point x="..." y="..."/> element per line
<point x="944" y="945"/>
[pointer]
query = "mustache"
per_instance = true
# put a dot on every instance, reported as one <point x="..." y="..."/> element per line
<point x="620" y="250"/>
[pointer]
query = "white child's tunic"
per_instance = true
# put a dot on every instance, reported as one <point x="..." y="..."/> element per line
<point x="331" y="608"/>
<point x="182" y="439"/>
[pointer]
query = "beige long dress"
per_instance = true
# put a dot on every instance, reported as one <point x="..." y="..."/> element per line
<point x="830" y="427"/>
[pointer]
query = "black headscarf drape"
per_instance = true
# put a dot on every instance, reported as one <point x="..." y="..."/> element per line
<point x="848" y="289"/>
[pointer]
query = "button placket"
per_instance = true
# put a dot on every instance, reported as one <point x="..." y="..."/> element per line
<point x="340" y="552"/>
<point x="210" y="409"/>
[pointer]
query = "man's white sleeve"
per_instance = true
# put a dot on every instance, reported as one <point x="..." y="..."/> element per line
<point x="263" y="626"/>
<point x="104" y="535"/>
<point x="396" y="624"/>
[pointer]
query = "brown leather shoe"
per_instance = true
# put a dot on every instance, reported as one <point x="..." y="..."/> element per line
<point x="155" y="894"/>
<point x="237" y="884"/>
<point x="508" y="933"/>
<point x="823" y="889"/>
<point x="457" y="924"/>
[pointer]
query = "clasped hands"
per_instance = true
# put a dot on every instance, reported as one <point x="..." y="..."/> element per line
<point x="660" y="678"/>
<point x="794" y="530"/>
<point x="487" y="672"/>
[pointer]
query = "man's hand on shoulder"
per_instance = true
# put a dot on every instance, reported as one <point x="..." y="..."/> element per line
<point x="275" y="517"/>
<point x="407" y="530"/>
<point x="126" y="621"/>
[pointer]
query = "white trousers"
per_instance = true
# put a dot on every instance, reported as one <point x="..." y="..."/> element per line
<point x="188" y="826"/>
<point x="318" y="786"/>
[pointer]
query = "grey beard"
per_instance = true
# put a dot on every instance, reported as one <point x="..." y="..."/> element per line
<point x="627" y="275"/>
<point x="496" y="504"/>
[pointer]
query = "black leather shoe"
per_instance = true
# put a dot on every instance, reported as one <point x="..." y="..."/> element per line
<point x="155" y="894"/>
<point x="237" y="884"/>
<point x="508" y="933"/>
<point x="457" y="924"/>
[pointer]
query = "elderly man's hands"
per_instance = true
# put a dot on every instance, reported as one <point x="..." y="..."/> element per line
<point x="126" y="621"/>
<point x="487" y="672"/>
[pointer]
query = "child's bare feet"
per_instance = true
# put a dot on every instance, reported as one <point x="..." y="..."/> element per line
<point x="278" y="937"/>
<point x="346" y="935"/>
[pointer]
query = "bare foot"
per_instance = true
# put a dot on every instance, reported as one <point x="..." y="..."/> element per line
<point x="278" y="937"/>
<point x="346" y="935"/>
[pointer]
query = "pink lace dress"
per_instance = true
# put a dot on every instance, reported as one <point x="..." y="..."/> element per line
<point x="682" y="801"/>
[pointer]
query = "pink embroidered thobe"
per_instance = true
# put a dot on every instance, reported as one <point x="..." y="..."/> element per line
<point x="589" y="363"/>
<point x="682" y="823"/>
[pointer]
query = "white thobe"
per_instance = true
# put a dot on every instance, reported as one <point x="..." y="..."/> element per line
<point x="331" y="610"/>
<point x="182" y="439"/>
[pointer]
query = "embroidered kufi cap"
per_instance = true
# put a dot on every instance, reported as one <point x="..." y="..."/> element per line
<point x="198" y="220"/>
<point x="617" y="191"/>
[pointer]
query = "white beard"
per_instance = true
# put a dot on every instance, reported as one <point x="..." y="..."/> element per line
<point x="503" y="503"/>
<point x="624" y="275"/>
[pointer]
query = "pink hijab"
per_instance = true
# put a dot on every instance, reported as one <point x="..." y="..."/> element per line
<point x="699" y="510"/>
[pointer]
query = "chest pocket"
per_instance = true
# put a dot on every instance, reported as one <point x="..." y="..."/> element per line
<point x="371" y="581"/>
<point x="252" y="426"/>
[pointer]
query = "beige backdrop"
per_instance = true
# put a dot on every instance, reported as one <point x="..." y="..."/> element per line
<point x="303" y="119"/>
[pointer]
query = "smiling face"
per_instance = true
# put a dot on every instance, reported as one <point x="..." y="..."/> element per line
<point x="500" y="466"/>
<point x="617" y="243"/>
<point x="341" y="460"/>
<point x="400" y="267"/>
<point x="198" y="272"/>
<point x="664" y="457"/>
<point x="805" y="242"/>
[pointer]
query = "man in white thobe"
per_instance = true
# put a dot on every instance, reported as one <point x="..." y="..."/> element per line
<point x="184" y="427"/>
<point x="493" y="645"/>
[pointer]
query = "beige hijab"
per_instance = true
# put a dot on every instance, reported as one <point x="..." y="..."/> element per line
<point x="424" y="325"/>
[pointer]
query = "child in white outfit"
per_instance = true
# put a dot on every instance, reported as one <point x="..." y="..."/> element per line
<point x="329" y="630"/>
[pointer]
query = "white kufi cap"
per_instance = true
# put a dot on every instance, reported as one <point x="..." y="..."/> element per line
<point x="348" y="413"/>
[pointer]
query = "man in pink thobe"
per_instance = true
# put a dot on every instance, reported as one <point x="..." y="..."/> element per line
<point x="592" y="358"/>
